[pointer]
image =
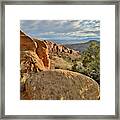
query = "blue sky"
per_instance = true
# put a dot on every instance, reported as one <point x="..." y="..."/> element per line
<point x="62" y="31"/>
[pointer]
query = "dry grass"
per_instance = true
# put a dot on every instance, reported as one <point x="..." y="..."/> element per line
<point x="60" y="63"/>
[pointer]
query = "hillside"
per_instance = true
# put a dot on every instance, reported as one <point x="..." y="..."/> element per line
<point x="81" y="46"/>
<point x="61" y="56"/>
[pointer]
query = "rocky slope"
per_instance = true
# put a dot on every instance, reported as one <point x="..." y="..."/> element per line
<point x="40" y="81"/>
<point x="61" y="56"/>
<point x="55" y="48"/>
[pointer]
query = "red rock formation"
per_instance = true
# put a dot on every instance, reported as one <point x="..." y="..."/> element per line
<point x="38" y="50"/>
<point x="29" y="61"/>
<point x="42" y="52"/>
<point x="26" y="42"/>
<point x="56" y="48"/>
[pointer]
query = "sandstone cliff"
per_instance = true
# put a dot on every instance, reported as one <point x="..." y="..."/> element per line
<point x="42" y="52"/>
<point x="56" y="48"/>
<point x="35" y="50"/>
<point x="26" y="42"/>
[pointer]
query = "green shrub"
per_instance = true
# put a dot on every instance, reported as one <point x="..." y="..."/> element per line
<point x="90" y="59"/>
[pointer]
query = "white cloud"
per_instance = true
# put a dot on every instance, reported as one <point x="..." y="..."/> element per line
<point x="61" y="28"/>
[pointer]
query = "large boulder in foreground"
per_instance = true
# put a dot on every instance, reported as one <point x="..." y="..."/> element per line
<point x="61" y="85"/>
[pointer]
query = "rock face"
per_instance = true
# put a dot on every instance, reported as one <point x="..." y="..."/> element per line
<point x="33" y="53"/>
<point x="42" y="52"/>
<point x="30" y="62"/>
<point x="26" y="42"/>
<point x="55" y="48"/>
<point x="60" y="56"/>
<point x="61" y="85"/>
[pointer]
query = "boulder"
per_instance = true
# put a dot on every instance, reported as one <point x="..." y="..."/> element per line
<point x="61" y="85"/>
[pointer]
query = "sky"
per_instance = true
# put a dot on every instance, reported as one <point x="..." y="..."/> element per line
<point x="62" y="31"/>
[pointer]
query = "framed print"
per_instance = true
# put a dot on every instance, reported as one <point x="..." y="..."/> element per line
<point x="60" y="59"/>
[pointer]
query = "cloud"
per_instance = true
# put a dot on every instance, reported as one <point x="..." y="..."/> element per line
<point x="61" y="29"/>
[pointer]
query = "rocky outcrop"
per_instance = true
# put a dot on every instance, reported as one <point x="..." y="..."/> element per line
<point x="61" y="85"/>
<point x="42" y="52"/>
<point x="26" y="42"/>
<point x="33" y="58"/>
<point x="30" y="62"/>
<point x="56" y="48"/>
<point x="33" y="50"/>
<point x="60" y="56"/>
